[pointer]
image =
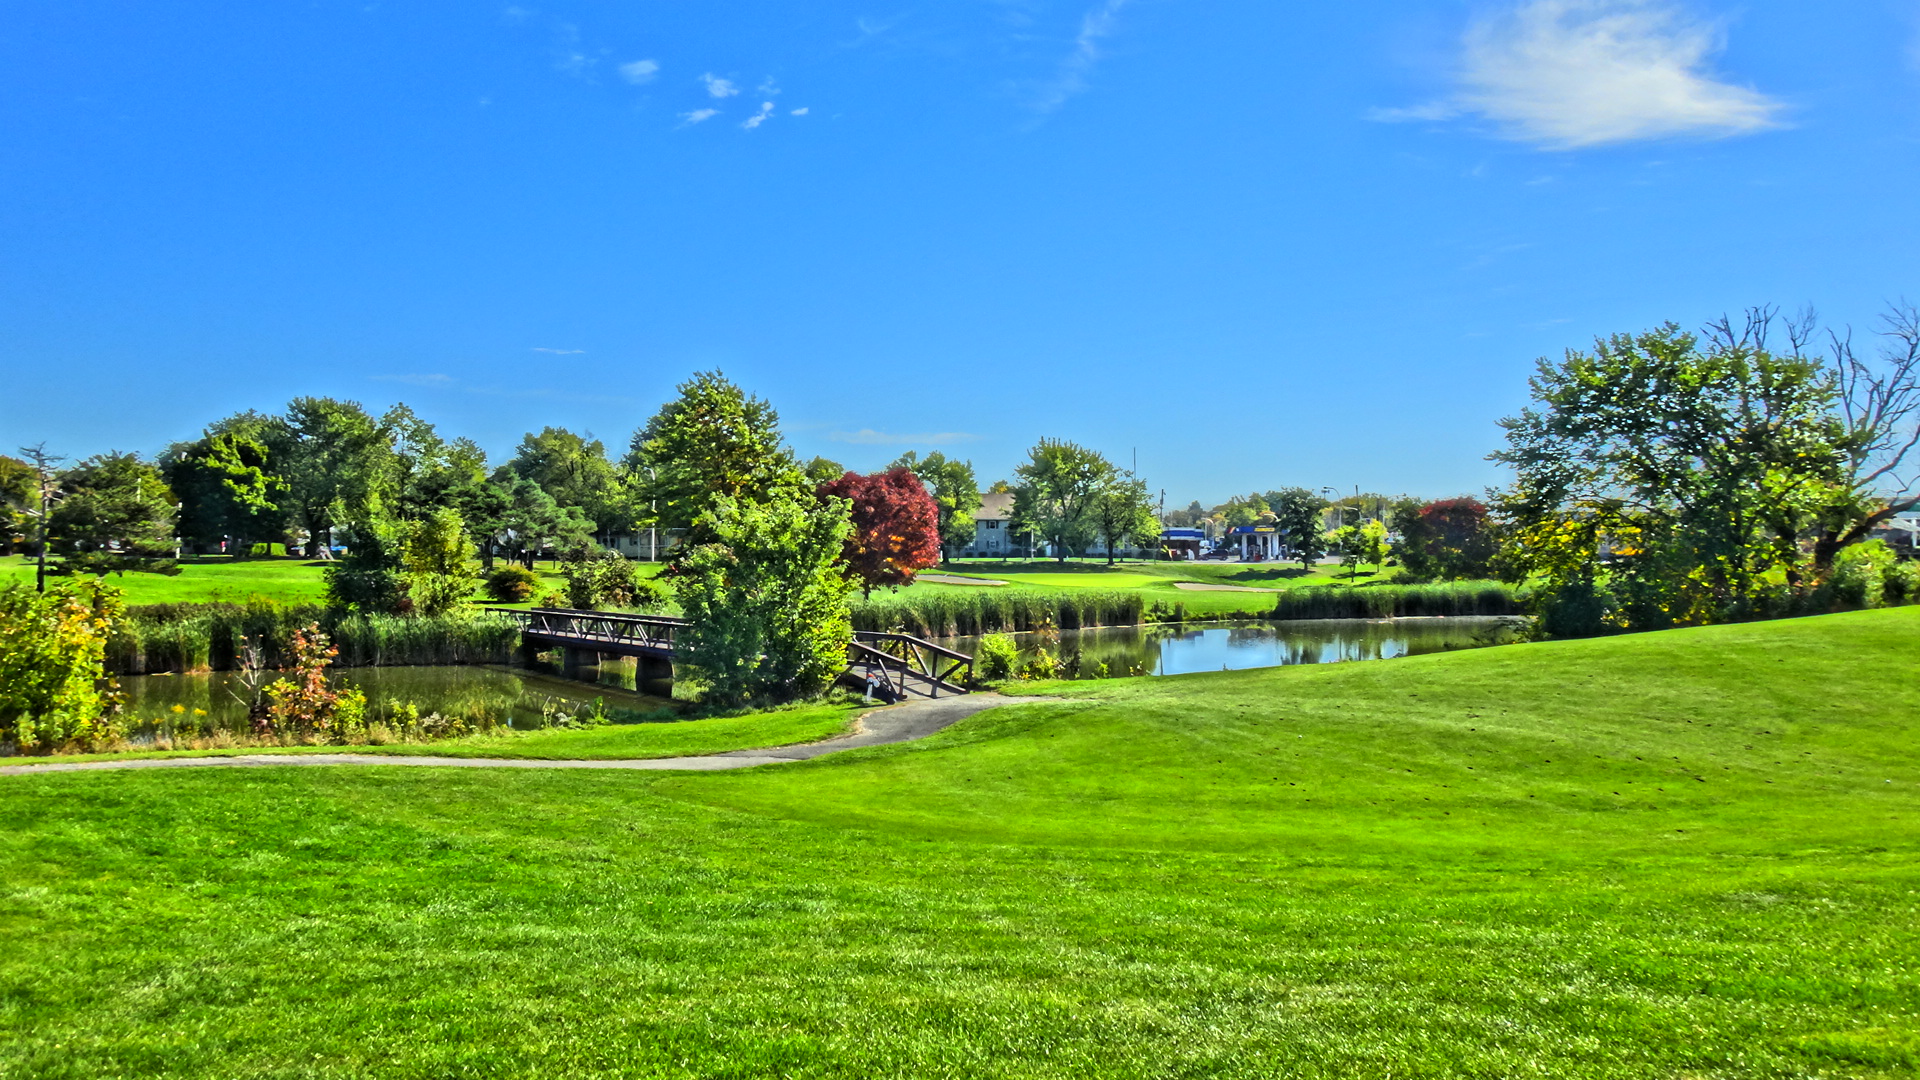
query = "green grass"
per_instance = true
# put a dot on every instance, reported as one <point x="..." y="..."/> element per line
<point x="1416" y="867"/>
<point x="1156" y="581"/>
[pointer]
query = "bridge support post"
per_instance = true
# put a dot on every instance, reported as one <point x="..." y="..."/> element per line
<point x="572" y="660"/>
<point x="653" y="675"/>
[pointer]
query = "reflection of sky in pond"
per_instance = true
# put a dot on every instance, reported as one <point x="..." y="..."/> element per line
<point x="1179" y="650"/>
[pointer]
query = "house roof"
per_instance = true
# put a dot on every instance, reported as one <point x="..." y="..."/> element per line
<point x="994" y="506"/>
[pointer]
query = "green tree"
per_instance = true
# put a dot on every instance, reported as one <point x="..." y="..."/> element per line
<point x="227" y="489"/>
<point x="574" y="470"/>
<point x="439" y="572"/>
<point x="765" y="597"/>
<point x="534" y="522"/>
<point x="714" y="441"/>
<point x="19" y="499"/>
<point x="1058" y="486"/>
<point x="370" y="578"/>
<point x="336" y="462"/>
<point x="1697" y="465"/>
<point x="1297" y="516"/>
<point x="955" y="491"/>
<point x="116" y="513"/>
<point x="1123" y="511"/>
<point x="823" y="470"/>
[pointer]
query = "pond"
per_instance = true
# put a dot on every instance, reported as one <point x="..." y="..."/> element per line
<point x="1179" y="650"/>
<point x="484" y="697"/>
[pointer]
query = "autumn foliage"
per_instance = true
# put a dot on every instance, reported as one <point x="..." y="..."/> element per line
<point x="896" y="527"/>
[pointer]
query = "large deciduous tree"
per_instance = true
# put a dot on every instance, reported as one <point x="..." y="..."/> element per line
<point x="1122" y="511"/>
<point x="336" y="462"/>
<point x="574" y="470"/>
<point x="229" y="492"/>
<point x="955" y="490"/>
<point x="896" y="528"/>
<point x="1056" y="491"/>
<point x="1669" y="479"/>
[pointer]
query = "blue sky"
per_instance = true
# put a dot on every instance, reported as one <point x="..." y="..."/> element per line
<point x="1257" y="243"/>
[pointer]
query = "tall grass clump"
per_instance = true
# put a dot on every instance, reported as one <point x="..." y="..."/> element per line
<point x="1397" y="601"/>
<point x="996" y="611"/>
<point x="220" y="637"/>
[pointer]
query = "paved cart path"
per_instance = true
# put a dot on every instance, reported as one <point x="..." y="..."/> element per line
<point x="896" y="723"/>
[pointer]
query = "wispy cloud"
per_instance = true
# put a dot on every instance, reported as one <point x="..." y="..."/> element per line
<point x="697" y="116"/>
<point x="543" y="393"/>
<point x="754" y="121"/>
<point x="801" y="111"/>
<point x="568" y="57"/>
<point x="558" y="352"/>
<point x="1075" y="71"/>
<point x="1566" y="74"/>
<point x="870" y="437"/>
<point x="640" y="71"/>
<point x="718" y="87"/>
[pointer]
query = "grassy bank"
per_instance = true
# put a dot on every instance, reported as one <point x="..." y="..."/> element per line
<point x="1681" y="854"/>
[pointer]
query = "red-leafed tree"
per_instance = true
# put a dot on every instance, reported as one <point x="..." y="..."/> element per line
<point x="896" y="528"/>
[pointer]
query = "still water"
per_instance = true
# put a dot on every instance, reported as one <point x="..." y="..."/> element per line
<point x="1179" y="650"/>
<point x="488" y="696"/>
<point x="484" y="697"/>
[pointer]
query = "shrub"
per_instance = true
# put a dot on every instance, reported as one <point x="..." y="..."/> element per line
<point x="1860" y="574"/>
<point x="511" y="583"/>
<point x="765" y="597"/>
<point x="1903" y="582"/>
<point x="995" y="656"/>
<point x="52" y="645"/>
<point x="305" y="704"/>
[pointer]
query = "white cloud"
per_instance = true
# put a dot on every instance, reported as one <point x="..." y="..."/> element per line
<point x="698" y="116"/>
<point x="640" y="71"/>
<point x="558" y="352"/>
<point x="1075" y="70"/>
<point x="801" y="111"/>
<point x="718" y="87"/>
<point x="767" y="88"/>
<point x="754" y="121"/>
<point x="1566" y="74"/>
<point x="870" y="437"/>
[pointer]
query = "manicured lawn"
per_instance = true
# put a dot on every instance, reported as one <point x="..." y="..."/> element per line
<point x="1679" y="855"/>
<point x="1157" y="582"/>
<point x="284" y="580"/>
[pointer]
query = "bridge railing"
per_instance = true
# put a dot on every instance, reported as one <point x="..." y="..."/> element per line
<point x="654" y="632"/>
<point x="902" y="661"/>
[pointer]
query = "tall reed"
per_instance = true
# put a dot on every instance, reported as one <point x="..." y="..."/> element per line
<point x="215" y="637"/>
<point x="990" y="611"/>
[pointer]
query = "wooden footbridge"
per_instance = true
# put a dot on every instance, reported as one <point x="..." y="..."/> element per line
<point x="892" y="666"/>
